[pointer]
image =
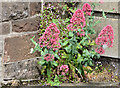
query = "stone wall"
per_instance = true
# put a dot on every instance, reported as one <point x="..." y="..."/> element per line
<point x="20" y="20"/>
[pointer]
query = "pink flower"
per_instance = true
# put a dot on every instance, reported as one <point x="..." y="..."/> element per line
<point x="82" y="33"/>
<point x="100" y="50"/>
<point x="63" y="73"/>
<point x="87" y="9"/>
<point x="101" y="1"/>
<point x="64" y="69"/>
<point x="106" y="36"/>
<point x="48" y="57"/>
<point x="70" y="27"/>
<point x="78" y="18"/>
<point x="50" y="38"/>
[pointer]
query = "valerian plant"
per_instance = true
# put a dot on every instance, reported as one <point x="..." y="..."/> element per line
<point x="66" y="46"/>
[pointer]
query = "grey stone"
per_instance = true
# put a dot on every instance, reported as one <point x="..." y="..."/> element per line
<point x="1" y="47"/>
<point x="108" y="6"/>
<point x="1" y="78"/>
<point x="25" y="25"/>
<point x="25" y="69"/>
<point x="91" y="84"/>
<point x="105" y="6"/>
<point x="14" y="10"/>
<point x="4" y="28"/>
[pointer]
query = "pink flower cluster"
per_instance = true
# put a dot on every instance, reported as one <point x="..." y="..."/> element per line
<point x="70" y="27"/>
<point x="81" y="34"/>
<point x="50" y="38"/>
<point x="78" y="18"/>
<point x="105" y="37"/>
<point x="100" y="50"/>
<point x="49" y="57"/>
<point x="64" y="69"/>
<point x="87" y="9"/>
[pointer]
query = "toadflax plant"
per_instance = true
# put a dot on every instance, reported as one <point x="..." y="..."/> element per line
<point x="66" y="53"/>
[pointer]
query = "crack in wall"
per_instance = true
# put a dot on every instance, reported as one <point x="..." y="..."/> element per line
<point x="108" y="14"/>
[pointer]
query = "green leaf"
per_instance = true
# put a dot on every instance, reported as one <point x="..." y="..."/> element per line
<point x="41" y="16"/>
<point x="85" y="59"/>
<point x="41" y="62"/>
<point x="33" y="41"/>
<point x="42" y="53"/>
<point x="86" y="52"/>
<point x="65" y="7"/>
<point x="70" y="34"/>
<point x="71" y="10"/>
<point x="67" y="20"/>
<point x="79" y="58"/>
<point x="92" y="43"/>
<point x="90" y="63"/>
<point x="46" y="51"/>
<point x="56" y="56"/>
<point x="68" y="49"/>
<point x="51" y="52"/>
<point x="104" y="15"/>
<point x="37" y="47"/>
<point x="54" y="21"/>
<point x="86" y="64"/>
<point x="65" y="43"/>
<point x="111" y="10"/>
<point x="43" y="69"/>
<point x="97" y="22"/>
<point x="79" y="46"/>
<point x="34" y="50"/>
<point x="55" y="63"/>
<point x="80" y="69"/>
<point x="56" y="78"/>
<point x="73" y="69"/>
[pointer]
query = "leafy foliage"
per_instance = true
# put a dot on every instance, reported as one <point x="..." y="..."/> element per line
<point x="76" y="50"/>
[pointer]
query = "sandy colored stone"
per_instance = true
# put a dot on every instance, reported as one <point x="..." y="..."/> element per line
<point x="4" y="28"/>
<point x="35" y="8"/>
<point x="105" y="6"/>
<point x="18" y="48"/>
<point x="25" y="25"/>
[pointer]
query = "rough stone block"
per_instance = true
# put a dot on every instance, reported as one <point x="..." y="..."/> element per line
<point x="19" y="48"/>
<point x="108" y="6"/>
<point x="0" y="11"/>
<point x="105" y="6"/>
<point x="113" y="51"/>
<point x="14" y="10"/>
<point x="25" y="25"/>
<point x="35" y="8"/>
<point x="1" y="47"/>
<point x="4" y="28"/>
<point x="119" y="37"/>
<point x="25" y="69"/>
